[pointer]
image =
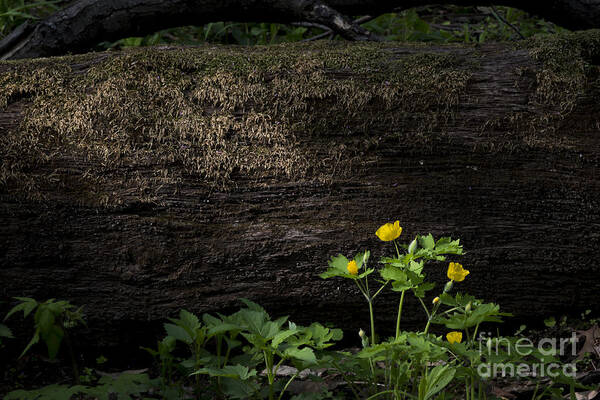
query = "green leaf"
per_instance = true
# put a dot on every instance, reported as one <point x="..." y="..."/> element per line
<point x="366" y="273"/>
<point x="253" y="306"/>
<point x="34" y="340"/>
<point x="281" y="337"/>
<point x="446" y="245"/>
<point x="53" y="338"/>
<point x="222" y="328"/>
<point x="391" y="273"/>
<point x="124" y="386"/>
<point x="438" y="378"/>
<point x="550" y="322"/>
<point x="427" y="242"/>
<point x="306" y="354"/>
<point x="178" y="333"/>
<point x="254" y="320"/>
<point x="338" y="266"/>
<point x="44" y="319"/>
<point x="361" y="259"/>
<point x="189" y="320"/>
<point x="51" y="392"/>
<point x="319" y="336"/>
<point x="5" y="332"/>
<point x="422" y="288"/>
<point x="238" y="389"/>
<point x="416" y="267"/>
<point x="229" y="371"/>
<point x="27" y="305"/>
<point x="395" y="262"/>
<point x="487" y="312"/>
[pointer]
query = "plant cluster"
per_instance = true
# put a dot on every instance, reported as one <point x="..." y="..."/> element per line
<point x="242" y="355"/>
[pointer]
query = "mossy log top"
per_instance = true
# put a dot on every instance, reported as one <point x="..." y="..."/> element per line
<point x="144" y="181"/>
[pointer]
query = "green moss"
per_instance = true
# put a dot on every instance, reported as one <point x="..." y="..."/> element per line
<point x="566" y="77"/>
<point x="566" y="60"/>
<point x="152" y="119"/>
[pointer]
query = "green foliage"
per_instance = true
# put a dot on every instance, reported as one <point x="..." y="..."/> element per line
<point x="15" y="12"/>
<point x="51" y="319"/>
<point x="230" y="349"/>
<point x="51" y="392"/>
<point x="5" y="332"/>
<point x="126" y="386"/>
<point x="437" y="379"/>
<point x="467" y="312"/>
<point x="423" y="24"/>
<point x="425" y="366"/>
<point x="238" y="356"/>
<point x="338" y="266"/>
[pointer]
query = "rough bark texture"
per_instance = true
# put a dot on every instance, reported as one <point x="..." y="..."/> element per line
<point x="81" y="26"/>
<point x="142" y="182"/>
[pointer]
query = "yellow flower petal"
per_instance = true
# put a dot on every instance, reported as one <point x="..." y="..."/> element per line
<point x="352" y="267"/>
<point x="454" y="337"/>
<point x="456" y="272"/>
<point x="389" y="232"/>
<point x="436" y="300"/>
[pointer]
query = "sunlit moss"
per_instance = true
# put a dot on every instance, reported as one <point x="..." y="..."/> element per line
<point x="154" y="118"/>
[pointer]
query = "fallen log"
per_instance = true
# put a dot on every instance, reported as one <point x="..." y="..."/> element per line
<point x="140" y="182"/>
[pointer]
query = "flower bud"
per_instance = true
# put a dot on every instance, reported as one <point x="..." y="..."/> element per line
<point x="436" y="300"/>
<point x="412" y="246"/>
<point x="361" y="333"/>
<point x="448" y="287"/>
<point x="468" y="308"/>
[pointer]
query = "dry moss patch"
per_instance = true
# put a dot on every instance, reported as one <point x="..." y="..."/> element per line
<point x="150" y="119"/>
<point x="567" y="80"/>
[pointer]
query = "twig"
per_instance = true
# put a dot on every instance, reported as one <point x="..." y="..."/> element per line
<point x="317" y="11"/>
<point x="329" y="32"/>
<point x="502" y="19"/>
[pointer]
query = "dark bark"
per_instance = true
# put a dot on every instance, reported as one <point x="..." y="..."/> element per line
<point x="81" y="26"/>
<point x="515" y="176"/>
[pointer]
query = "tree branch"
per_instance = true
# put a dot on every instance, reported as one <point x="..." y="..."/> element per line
<point x="81" y="26"/>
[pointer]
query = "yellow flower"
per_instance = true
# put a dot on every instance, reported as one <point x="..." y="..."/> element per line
<point x="389" y="232"/>
<point x="454" y="337"/>
<point x="456" y="272"/>
<point x="436" y="300"/>
<point x="352" y="267"/>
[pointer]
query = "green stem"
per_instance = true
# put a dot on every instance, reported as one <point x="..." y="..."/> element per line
<point x="475" y="333"/>
<point x="399" y="315"/>
<point x="380" y="289"/>
<point x="362" y="289"/>
<point x="427" y="326"/>
<point x="433" y="312"/>
<point x="288" y="384"/>
<point x="424" y="306"/>
<point x="372" y="322"/>
<point x="268" y="364"/>
<point x="467" y="392"/>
